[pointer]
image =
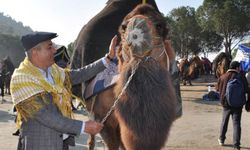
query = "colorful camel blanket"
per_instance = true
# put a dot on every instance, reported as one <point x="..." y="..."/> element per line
<point x="102" y="81"/>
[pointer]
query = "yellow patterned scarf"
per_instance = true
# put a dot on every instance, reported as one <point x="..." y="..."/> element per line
<point x="28" y="83"/>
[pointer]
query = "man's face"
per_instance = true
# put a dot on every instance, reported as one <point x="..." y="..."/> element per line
<point x="45" y="53"/>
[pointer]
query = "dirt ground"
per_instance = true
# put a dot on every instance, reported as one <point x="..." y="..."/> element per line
<point x="197" y="129"/>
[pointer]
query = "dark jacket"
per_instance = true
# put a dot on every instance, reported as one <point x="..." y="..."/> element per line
<point x="222" y="84"/>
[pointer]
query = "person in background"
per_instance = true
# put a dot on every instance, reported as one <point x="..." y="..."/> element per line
<point x="236" y="112"/>
<point x="248" y="77"/>
<point x="62" y="59"/>
<point x="41" y="93"/>
<point x="2" y="81"/>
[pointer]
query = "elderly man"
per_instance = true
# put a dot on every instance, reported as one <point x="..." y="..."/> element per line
<point x="41" y="92"/>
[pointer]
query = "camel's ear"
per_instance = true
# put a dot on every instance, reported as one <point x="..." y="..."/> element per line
<point x="170" y="51"/>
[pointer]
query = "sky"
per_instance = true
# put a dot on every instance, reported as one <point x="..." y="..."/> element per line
<point x="67" y="17"/>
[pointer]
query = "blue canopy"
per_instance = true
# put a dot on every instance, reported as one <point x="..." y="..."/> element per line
<point x="243" y="56"/>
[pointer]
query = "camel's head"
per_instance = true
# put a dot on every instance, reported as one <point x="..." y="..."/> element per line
<point x="143" y="33"/>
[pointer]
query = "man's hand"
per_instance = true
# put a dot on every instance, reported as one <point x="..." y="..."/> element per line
<point x="93" y="127"/>
<point x="112" y="47"/>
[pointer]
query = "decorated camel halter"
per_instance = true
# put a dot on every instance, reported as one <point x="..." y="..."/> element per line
<point x="140" y="38"/>
<point x="140" y="42"/>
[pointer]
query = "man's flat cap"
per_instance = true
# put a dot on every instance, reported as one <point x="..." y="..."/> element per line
<point x="32" y="39"/>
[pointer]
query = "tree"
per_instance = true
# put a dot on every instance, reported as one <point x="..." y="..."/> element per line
<point x="11" y="46"/>
<point x="210" y="42"/>
<point x="9" y="26"/>
<point x="228" y="18"/>
<point x="184" y="31"/>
